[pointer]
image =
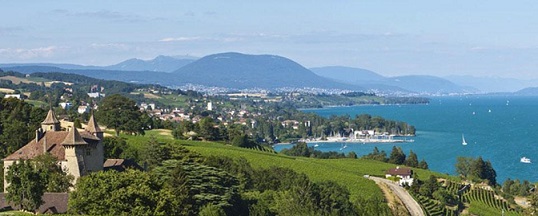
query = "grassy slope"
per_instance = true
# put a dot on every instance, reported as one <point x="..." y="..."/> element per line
<point x="347" y="172"/>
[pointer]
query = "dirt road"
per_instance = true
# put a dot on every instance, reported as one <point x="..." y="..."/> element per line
<point x="412" y="206"/>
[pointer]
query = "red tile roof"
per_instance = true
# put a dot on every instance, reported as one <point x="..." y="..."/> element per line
<point x="51" y="118"/>
<point x="402" y="171"/>
<point x="50" y="142"/>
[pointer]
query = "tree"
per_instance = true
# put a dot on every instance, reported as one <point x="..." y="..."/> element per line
<point x="299" y="149"/>
<point x="463" y="166"/>
<point x="352" y="154"/>
<point x="411" y="160"/>
<point x="207" y="129"/>
<point x="131" y="192"/>
<point x="77" y="123"/>
<point x="376" y="155"/>
<point x="26" y="186"/>
<point x="396" y="156"/>
<point x="429" y="187"/>
<point x="154" y="153"/>
<point x="114" y="146"/>
<point x="533" y="200"/>
<point x="423" y="164"/>
<point x="55" y="179"/>
<point x="121" y="114"/>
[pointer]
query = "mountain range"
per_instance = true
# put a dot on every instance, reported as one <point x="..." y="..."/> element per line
<point x="238" y="71"/>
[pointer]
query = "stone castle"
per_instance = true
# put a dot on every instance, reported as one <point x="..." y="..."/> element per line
<point x="78" y="152"/>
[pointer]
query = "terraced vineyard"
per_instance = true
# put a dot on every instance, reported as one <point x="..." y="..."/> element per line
<point x="433" y="207"/>
<point x="483" y="202"/>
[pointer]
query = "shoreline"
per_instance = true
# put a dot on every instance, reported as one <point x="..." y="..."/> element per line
<point x="361" y="141"/>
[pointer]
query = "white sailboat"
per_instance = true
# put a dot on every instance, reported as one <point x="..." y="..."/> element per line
<point x="463" y="142"/>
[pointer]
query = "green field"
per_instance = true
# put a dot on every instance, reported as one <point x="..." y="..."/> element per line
<point x="347" y="172"/>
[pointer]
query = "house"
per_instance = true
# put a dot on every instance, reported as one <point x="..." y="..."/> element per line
<point x="96" y="95"/>
<point x="53" y="203"/>
<point x="18" y="96"/>
<point x="66" y="105"/>
<point x="121" y="165"/>
<point x="78" y="152"/>
<point x="83" y="109"/>
<point x="405" y="175"/>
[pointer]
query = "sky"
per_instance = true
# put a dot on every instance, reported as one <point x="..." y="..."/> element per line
<point x="441" y="38"/>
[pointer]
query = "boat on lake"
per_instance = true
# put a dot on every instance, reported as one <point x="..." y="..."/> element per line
<point x="525" y="160"/>
<point x="463" y="142"/>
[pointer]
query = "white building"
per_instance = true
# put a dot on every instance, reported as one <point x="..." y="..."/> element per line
<point x="405" y="175"/>
<point x="209" y="106"/>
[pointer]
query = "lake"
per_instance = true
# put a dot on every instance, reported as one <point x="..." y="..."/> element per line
<point x="501" y="129"/>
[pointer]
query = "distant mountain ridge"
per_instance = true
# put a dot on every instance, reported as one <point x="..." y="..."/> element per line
<point x="158" y="64"/>
<point x="242" y="71"/>
<point x="420" y="84"/>
<point x="237" y="70"/>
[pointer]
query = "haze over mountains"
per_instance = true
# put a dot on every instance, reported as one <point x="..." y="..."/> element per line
<point x="238" y="71"/>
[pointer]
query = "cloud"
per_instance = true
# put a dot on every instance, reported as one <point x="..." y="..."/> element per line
<point x="23" y="54"/>
<point x="174" y="39"/>
<point x="227" y="38"/>
<point x="110" y="45"/>
<point x="107" y="15"/>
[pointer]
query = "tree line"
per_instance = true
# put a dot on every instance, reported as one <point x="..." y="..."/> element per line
<point x="397" y="156"/>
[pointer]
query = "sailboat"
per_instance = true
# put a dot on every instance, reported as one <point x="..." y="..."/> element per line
<point x="463" y="142"/>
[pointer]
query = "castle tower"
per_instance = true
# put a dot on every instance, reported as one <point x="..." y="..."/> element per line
<point x="96" y="150"/>
<point x="75" y="150"/>
<point x="94" y="129"/>
<point x="50" y="123"/>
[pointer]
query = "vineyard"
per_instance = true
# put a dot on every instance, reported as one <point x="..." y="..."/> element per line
<point x="483" y="202"/>
<point x="433" y="207"/>
<point x="478" y="202"/>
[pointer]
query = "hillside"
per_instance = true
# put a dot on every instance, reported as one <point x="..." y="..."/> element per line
<point x="144" y="77"/>
<point x="531" y="91"/>
<point x="347" y="74"/>
<point x="236" y="70"/>
<point x="379" y="83"/>
<point x="160" y="63"/>
<point x="425" y="84"/>
<point x="346" y="172"/>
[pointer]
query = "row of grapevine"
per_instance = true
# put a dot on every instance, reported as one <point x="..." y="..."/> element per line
<point x="453" y="187"/>
<point x="481" y="197"/>
<point x="432" y="207"/>
<point x="263" y="148"/>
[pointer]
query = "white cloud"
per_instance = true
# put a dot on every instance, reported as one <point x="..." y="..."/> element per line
<point x="24" y="54"/>
<point x="172" y="39"/>
<point x="109" y="45"/>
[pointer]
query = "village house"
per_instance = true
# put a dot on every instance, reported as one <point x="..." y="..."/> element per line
<point x="83" y="109"/>
<point x="405" y="175"/>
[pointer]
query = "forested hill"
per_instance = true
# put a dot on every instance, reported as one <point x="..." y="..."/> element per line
<point x="236" y="70"/>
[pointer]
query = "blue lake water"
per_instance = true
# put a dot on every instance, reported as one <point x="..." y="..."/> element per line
<point x="501" y="129"/>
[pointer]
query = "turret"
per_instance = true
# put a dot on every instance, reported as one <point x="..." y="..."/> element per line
<point x="94" y="129"/>
<point x="50" y="123"/>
